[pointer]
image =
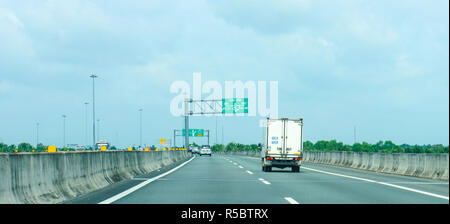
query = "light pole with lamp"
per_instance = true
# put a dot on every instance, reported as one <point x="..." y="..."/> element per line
<point x="93" y="76"/>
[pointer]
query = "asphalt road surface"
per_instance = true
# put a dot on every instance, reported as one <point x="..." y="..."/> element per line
<point x="226" y="179"/>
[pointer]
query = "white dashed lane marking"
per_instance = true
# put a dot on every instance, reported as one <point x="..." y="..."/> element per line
<point x="264" y="181"/>
<point x="291" y="200"/>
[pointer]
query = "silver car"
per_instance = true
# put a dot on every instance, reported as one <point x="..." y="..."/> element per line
<point x="205" y="151"/>
<point x="195" y="150"/>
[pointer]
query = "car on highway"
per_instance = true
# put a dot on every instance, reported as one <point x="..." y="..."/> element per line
<point x="195" y="150"/>
<point x="205" y="150"/>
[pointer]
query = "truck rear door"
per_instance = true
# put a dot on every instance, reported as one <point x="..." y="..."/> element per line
<point x="293" y="137"/>
<point x="274" y="136"/>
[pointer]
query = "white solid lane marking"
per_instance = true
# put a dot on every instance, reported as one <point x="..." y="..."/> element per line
<point x="382" y="183"/>
<point x="249" y="172"/>
<point x="418" y="183"/>
<point x="241" y="167"/>
<point x="291" y="200"/>
<point x="131" y="190"/>
<point x="139" y="178"/>
<point x="264" y="181"/>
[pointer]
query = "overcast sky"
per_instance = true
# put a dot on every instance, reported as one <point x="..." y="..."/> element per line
<point x="379" y="66"/>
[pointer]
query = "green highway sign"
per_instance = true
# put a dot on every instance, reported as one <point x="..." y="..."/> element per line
<point x="194" y="132"/>
<point x="234" y="105"/>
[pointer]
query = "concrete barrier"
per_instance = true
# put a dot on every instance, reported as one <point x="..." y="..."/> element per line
<point x="424" y="165"/>
<point x="56" y="177"/>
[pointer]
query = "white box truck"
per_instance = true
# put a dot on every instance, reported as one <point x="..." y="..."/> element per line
<point x="282" y="144"/>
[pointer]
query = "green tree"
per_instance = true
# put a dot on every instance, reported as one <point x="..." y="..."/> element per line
<point x="308" y="146"/>
<point x="232" y="146"/>
<point x="366" y="147"/>
<point x="218" y="147"/>
<point x="320" y="145"/>
<point x="11" y="148"/>
<point x="25" y="147"/>
<point x="357" y="147"/>
<point x="41" y="147"/>
<point x="254" y="147"/>
<point x="3" y="147"/>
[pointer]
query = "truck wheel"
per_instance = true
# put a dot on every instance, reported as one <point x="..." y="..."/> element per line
<point x="296" y="169"/>
<point x="269" y="169"/>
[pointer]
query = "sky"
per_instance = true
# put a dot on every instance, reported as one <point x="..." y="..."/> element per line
<point x="378" y="67"/>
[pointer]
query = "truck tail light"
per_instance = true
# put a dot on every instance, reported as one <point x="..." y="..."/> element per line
<point x="269" y="158"/>
<point x="298" y="158"/>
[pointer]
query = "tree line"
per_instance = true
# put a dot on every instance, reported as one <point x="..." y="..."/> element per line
<point x="321" y="145"/>
<point x="235" y="147"/>
<point x="333" y="145"/>
<point x="381" y="146"/>
<point x="22" y="147"/>
<point x="27" y="147"/>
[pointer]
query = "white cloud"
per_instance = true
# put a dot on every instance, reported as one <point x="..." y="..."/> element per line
<point x="10" y="16"/>
<point x="6" y="87"/>
<point x="405" y="68"/>
<point x="325" y="42"/>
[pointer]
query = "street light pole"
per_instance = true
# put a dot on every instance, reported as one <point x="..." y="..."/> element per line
<point x="98" y="130"/>
<point x="216" y="131"/>
<point x="186" y="123"/>
<point x="174" y="138"/>
<point x="85" y="123"/>
<point x="37" y="134"/>
<point x="64" y="131"/>
<point x="93" y="108"/>
<point x="140" y="128"/>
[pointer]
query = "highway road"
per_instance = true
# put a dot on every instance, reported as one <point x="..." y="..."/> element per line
<point x="227" y="179"/>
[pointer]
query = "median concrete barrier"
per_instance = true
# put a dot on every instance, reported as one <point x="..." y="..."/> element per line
<point x="56" y="177"/>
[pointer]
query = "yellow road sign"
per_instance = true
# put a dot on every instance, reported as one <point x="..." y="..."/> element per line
<point x="51" y="148"/>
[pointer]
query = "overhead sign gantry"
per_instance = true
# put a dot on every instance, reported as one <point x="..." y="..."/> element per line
<point x="191" y="133"/>
<point x="201" y="107"/>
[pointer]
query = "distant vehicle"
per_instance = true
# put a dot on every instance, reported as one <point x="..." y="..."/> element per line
<point x="282" y="144"/>
<point x="99" y="145"/>
<point x="195" y="150"/>
<point x="205" y="151"/>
